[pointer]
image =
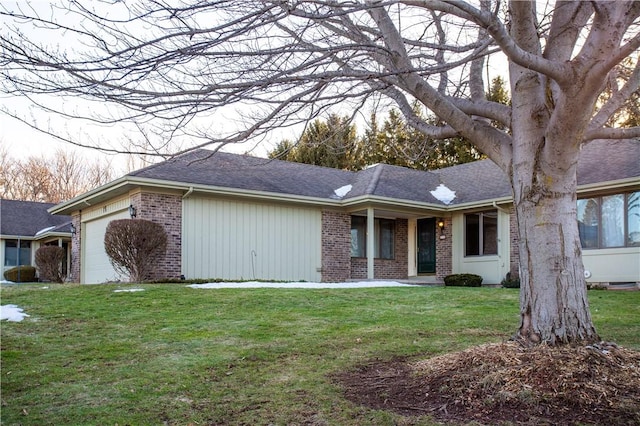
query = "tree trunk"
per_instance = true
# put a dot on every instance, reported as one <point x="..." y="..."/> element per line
<point x="554" y="308"/>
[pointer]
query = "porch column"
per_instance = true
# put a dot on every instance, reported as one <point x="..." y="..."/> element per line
<point x="371" y="250"/>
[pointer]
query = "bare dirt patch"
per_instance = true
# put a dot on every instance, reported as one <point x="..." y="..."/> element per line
<point x="504" y="382"/>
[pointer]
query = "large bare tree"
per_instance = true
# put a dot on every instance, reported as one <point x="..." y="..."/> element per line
<point x="174" y="67"/>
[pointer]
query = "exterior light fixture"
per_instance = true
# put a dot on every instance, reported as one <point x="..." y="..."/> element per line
<point x="133" y="212"/>
<point x="73" y="229"/>
<point x="441" y="225"/>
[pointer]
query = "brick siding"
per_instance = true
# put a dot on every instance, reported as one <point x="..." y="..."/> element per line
<point x="74" y="269"/>
<point x="166" y="210"/>
<point x="444" y="250"/>
<point x="336" y="246"/>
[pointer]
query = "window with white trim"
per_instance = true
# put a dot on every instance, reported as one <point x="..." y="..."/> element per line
<point x="14" y="256"/>
<point x="609" y="221"/>
<point x="481" y="233"/>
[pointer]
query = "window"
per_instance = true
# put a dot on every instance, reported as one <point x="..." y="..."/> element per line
<point x="14" y="256"/>
<point x="609" y="221"/>
<point x="481" y="233"/>
<point x="384" y="236"/>
<point x="358" y="236"/>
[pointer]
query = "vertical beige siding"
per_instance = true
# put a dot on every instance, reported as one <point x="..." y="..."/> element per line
<point x="238" y="240"/>
<point x="613" y="265"/>
<point x="491" y="268"/>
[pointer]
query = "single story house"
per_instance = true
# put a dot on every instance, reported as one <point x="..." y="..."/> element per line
<point x="26" y="226"/>
<point x="240" y="217"/>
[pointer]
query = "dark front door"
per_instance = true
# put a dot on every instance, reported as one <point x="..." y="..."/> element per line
<point x="426" y="246"/>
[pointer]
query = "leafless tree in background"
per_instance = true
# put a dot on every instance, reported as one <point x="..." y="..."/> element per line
<point x="51" y="180"/>
<point x="174" y="68"/>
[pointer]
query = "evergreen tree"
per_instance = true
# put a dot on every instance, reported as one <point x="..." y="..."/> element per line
<point x="333" y="143"/>
<point x="329" y="143"/>
<point x="282" y="151"/>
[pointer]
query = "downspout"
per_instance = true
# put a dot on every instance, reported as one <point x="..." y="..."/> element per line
<point x="502" y="209"/>
<point x="508" y="213"/>
<point x="189" y="192"/>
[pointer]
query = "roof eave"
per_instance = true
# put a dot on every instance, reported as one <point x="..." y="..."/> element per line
<point x="363" y="200"/>
<point x="126" y="183"/>
<point x="627" y="183"/>
<point x="56" y="234"/>
<point x="84" y="200"/>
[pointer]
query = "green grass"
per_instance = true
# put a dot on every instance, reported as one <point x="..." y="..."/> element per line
<point x="176" y="355"/>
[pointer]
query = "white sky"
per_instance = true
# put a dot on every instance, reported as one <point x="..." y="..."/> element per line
<point x="21" y="141"/>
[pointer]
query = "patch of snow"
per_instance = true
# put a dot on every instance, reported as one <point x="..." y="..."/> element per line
<point x="256" y="284"/>
<point x="42" y="231"/>
<point x="12" y="313"/>
<point x="444" y="194"/>
<point x="6" y="282"/>
<point x="342" y="191"/>
<point x="128" y="290"/>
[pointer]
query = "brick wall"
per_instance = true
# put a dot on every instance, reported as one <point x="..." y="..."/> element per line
<point x="444" y="250"/>
<point x="74" y="269"/>
<point x="389" y="269"/>
<point x="166" y="210"/>
<point x="336" y="246"/>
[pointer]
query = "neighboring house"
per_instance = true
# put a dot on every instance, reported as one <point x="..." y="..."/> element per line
<point x="240" y="217"/>
<point x="26" y="226"/>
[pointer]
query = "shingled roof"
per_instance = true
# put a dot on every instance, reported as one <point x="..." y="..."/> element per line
<point x="600" y="161"/>
<point x="226" y="170"/>
<point x="27" y="218"/>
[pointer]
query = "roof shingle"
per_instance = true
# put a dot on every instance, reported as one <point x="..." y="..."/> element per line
<point x="600" y="161"/>
<point x="26" y="218"/>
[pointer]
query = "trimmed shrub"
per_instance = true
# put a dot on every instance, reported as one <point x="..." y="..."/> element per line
<point x="134" y="247"/>
<point x="21" y="274"/>
<point x="49" y="262"/>
<point x="463" y="280"/>
<point x="509" y="282"/>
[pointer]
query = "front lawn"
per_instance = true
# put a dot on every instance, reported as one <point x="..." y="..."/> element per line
<point x="177" y="355"/>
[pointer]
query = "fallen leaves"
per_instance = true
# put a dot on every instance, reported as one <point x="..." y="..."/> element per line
<point x="587" y="384"/>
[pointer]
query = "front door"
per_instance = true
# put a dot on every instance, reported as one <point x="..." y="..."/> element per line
<point x="426" y="246"/>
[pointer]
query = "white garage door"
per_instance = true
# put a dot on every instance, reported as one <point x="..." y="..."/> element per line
<point x="96" y="267"/>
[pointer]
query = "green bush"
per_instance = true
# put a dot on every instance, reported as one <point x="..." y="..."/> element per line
<point x="21" y="274"/>
<point x="509" y="282"/>
<point x="463" y="280"/>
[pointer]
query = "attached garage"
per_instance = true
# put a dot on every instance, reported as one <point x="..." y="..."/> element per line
<point x="99" y="269"/>
<point x="243" y="240"/>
